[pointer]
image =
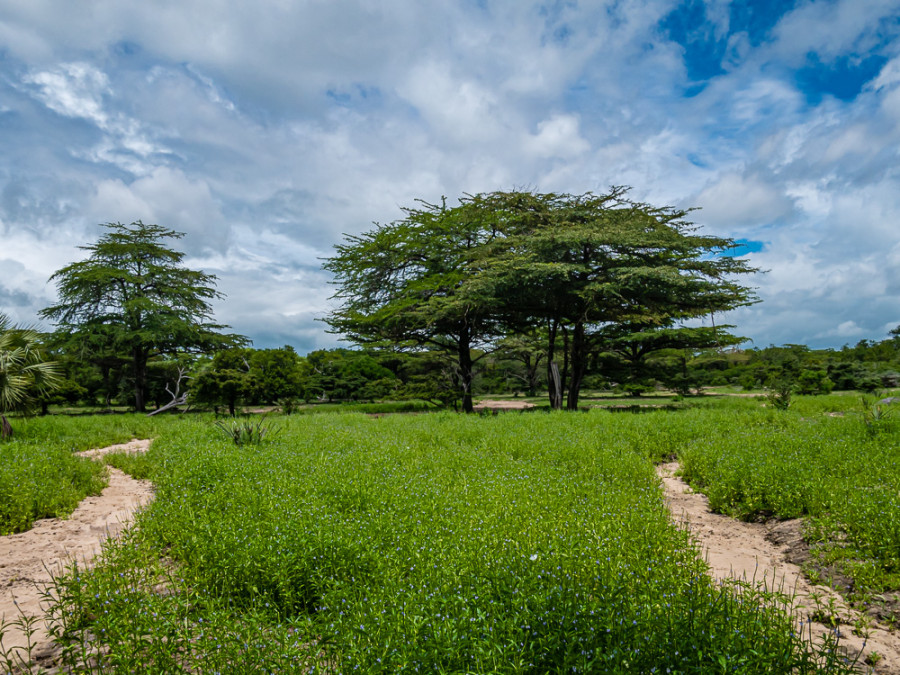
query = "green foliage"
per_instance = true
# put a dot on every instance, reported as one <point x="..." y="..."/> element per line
<point x="511" y="264"/>
<point x="42" y="482"/>
<point x="132" y="299"/>
<point x="875" y="415"/>
<point x="226" y="380"/>
<point x="814" y="382"/>
<point x="438" y="543"/>
<point x="277" y="374"/>
<point x="402" y="283"/>
<point x="598" y="270"/>
<point x="345" y="374"/>
<point x="40" y="477"/>
<point x="246" y="431"/>
<point x="779" y="391"/>
<point x="25" y="374"/>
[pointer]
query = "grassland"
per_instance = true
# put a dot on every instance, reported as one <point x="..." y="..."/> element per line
<point x="441" y="543"/>
<point x="828" y="459"/>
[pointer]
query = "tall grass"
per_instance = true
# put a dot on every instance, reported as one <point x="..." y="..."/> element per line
<point x="435" y="544"/>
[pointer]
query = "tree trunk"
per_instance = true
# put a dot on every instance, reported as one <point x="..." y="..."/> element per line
<point x="554" y="386"/>
<point x="465" y="370"/>
<point x="533" y="376"/>
<point x="6" y="430"/>
<point x="579" y="366"/>
<point x="564" y="376"/>
<point x="139" y="368"/>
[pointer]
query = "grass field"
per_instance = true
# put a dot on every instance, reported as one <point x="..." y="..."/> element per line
<point x="518" y="543"/>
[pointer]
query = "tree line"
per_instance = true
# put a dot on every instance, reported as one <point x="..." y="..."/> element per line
<point x="507" y="291"/>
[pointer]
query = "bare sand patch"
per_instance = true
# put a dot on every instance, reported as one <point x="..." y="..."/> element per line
<point x="758" y="553"/>
<point x="28" y="559"/>
<point x="506" y="404"/>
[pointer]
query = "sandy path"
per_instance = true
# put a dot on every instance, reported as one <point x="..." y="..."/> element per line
<point x="26" y="557"/>
<point x="749" y="551"/>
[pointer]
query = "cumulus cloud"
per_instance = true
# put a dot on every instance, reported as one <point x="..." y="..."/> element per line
<point x="73" y="90"/>
<point x="269" y="133"/>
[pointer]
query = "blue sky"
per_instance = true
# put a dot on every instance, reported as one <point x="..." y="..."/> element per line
<point x="265" y="131"/>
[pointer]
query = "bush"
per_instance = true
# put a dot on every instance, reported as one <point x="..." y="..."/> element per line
<point x="814" y="382"/>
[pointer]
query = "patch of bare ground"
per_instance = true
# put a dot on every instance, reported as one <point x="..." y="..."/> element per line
<point x="490" y="405"/>
<point x="29" y="559"/>
<point x="768" y="555"/>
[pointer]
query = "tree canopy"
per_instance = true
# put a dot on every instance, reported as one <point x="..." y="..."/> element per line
<point x="510" y="263"/>
<point x="400" y="283"/>
<point x="133" y="297"/>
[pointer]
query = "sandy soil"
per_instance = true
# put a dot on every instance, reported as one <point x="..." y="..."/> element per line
<point x="489" y="404"/>
<point x="758" y="553"/>
<point x="27" y="559"/>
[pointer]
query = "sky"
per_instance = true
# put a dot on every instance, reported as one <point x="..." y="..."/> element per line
<point x="268" y="131"/>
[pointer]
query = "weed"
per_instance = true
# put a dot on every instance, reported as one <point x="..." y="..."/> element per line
<point x="779" y="394"/>
<point x="246" y="432"/>
<point x="874" y="414"/>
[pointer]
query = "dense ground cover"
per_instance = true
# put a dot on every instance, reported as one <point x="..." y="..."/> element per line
<point x="40" y="477"/>
<point x="830" y="459"/>
<point x="428" y="543"/>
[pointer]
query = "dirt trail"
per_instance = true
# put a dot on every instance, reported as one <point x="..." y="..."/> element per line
<point x="757" y="552"/>
<point x="27" y="558"/>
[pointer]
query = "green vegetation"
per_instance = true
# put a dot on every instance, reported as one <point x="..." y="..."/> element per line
<point x="40" y="477"/>
<point x="832" y="459"/>
<point x="521" y="543"/>
<point x="583" y="271"/>
<point x="24" y="371"/>
<point x="132" y="300"/>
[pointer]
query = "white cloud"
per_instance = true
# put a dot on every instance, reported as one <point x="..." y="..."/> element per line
<point x="73" y="90"/>
<point x="888" y="77"/>
<point x="847" y="329"/>
<point x="269" y="132"/>
<point x="558" y="136"/>
<point x="166" y="197"/>
<point x="737" y="200"/>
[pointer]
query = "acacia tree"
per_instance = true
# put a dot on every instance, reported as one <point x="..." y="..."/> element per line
<point x="580" y="264"/>
<point x="134" y="291"/>
<point x="401" y="284"/>
<point x="24" y="371"/>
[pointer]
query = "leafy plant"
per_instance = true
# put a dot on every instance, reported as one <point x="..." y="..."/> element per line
<point x="246" y="432"/>
<point x="24" y="372"/>
<point x="874" y="414"/>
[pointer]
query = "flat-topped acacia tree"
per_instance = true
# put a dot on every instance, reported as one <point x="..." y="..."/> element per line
<point x="134" y="290"/>
<point x="401" y="284"/>
<point x="568" y="267"/>
<point x="579" y="265"/>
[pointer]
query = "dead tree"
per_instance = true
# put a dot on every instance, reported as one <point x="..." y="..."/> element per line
<point x="179" y="398"/>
